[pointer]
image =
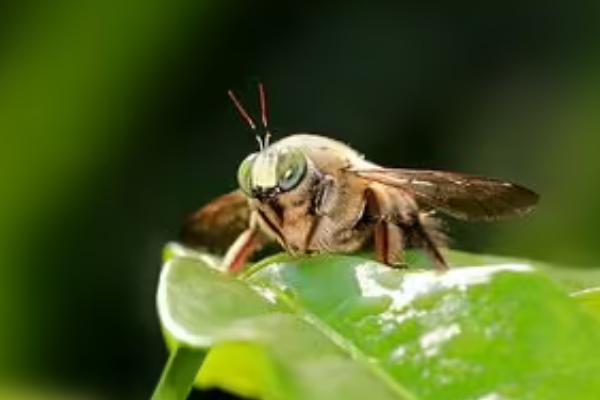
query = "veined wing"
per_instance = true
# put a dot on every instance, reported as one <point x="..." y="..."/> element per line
<point x="461" y="196"/>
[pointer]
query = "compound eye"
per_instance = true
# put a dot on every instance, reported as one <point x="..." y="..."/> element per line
<point x="291" y="168"/>
<point x="245" y="174"/>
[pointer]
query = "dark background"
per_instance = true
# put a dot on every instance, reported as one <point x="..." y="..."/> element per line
<point x="115" y="124"/>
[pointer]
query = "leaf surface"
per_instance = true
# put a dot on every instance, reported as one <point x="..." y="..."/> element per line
<point x="346" y="327"/>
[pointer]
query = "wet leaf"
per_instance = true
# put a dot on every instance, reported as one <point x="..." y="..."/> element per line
<point x="345" y="327"/>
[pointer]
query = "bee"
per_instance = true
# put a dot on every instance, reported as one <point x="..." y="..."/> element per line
<point x="312" y="194"/>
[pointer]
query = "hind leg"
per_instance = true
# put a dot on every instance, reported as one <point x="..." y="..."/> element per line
<point x="425" y="238"/>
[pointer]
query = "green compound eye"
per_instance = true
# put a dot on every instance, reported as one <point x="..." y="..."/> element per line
<point x="245" y="174"/>
<point x="291" y="168"/>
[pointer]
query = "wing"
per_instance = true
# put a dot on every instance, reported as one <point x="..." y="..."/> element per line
<point x="461" y="196"/>
<point x="216" y="225"/>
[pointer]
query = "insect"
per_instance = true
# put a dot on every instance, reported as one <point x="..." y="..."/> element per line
<point x="312" y="194"/>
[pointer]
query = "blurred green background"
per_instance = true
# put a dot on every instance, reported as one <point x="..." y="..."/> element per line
<point x="114" y="125"/>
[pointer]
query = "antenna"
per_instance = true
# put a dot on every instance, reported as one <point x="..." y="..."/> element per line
<point x="263" y="143"/>
<point x="264" y="114"/>
<point x="263" y="105"/>
<point x="241" y="110"/>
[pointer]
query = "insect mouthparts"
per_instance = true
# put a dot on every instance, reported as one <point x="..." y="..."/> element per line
<point x="265" y="193"/>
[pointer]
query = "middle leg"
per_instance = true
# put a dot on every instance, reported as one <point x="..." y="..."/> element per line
<point x="398" y="223"/>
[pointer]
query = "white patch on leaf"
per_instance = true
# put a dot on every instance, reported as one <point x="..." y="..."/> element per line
<point x="433" y="340"/>
<point x="417" y="284"/>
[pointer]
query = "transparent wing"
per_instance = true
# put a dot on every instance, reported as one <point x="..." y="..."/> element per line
<point x="461" y="196"/>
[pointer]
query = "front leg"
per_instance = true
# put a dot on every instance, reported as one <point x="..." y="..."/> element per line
<point x="247" y="243"/>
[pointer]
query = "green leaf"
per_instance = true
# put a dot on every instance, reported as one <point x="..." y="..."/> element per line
<point x="201" y="308"/>
<point x="571" y="278"/>
<point x="345" y="327"/>
<point x="590" y="299"/>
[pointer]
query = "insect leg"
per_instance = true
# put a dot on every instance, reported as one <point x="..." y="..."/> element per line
<point x="389" y="237"/>
<point x="247" y="243"/>
<point x="426" y="237"/>
<point x="398" y="223"/>
<point x="389" y="244"/>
